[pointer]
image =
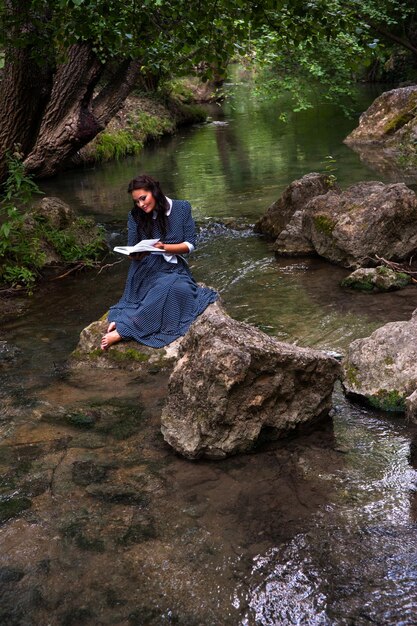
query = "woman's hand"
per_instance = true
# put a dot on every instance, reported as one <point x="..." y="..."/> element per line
<point x="159" y="245"/>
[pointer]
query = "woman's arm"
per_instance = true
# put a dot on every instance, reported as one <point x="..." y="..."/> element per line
<point x="173" y="248"/>
<point x="188" y="228"/>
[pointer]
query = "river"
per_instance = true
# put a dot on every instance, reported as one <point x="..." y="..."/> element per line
<point x="113" y="527"/>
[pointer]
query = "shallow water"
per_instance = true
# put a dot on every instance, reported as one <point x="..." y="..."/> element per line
<point x="111" y="526"/>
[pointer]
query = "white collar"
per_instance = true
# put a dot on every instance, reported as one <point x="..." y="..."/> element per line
<point x="168" y="211"/>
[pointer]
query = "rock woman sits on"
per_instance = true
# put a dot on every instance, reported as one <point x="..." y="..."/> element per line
<point x="161" y="298"/>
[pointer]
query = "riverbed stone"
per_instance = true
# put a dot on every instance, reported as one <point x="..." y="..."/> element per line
<point x="371" y="279"/>
<point x="8" y="352"/>
<point x="292" y="200"/>
<point x="234" y="382"/>
<point x="366" y="221"/>
<point x="381" y="370"/>
<point x="55" y="211"/>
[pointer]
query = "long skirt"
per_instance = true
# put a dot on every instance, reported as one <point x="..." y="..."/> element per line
<point x="160" y="301"/>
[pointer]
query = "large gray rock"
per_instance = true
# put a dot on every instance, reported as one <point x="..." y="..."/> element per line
<point x="381" y="369"/>
<point x="293" y="199"/>
<point x="232" y="381"/>
<point x="366" y="220"/>
<point x="393" y="113"/>
<point x="386" y="136"/>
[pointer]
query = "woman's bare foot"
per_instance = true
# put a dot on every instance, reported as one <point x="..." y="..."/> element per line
<point x="112" y="326"/>
<point x="109" y="339"/>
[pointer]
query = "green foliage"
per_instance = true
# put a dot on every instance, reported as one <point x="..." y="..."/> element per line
<point x="148" y="126"/>
<point x="388" y="400"/>
<point x="20" y="259"/>
<point x="318" y="49"/>
<point x="116" y="145"/>
<point x="23" y="233"/>
<point x="330" y="167"/>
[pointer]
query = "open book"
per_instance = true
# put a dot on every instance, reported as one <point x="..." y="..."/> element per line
<point x="146" y="245"/>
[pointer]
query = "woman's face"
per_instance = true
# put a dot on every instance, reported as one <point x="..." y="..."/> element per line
<point x="144" y="200"/>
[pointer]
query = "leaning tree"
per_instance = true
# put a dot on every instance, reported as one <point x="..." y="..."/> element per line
<point x="70" y="64"/>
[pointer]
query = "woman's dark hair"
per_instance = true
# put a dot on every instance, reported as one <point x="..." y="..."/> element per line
<point x="143" y="220"/>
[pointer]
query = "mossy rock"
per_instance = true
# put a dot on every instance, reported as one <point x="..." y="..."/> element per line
<point x="374" y="279"/>
<point x="128" y="355"/>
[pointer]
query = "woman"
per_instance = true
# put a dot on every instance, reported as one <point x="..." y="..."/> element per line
<point x="161" y="299"/>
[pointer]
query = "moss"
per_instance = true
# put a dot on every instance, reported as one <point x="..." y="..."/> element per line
<point x="351" y="375"/>
<point x="364" y="284"/>
<point x="116" y="145"/>
<point x="324" y="224"/>
<point x="398" y="121"/>
<point x="12" y="507"/>
<point x="127" y="355"/>
<point x="81" y="420"/>
<point x="403" y="279"/>
<point x="389" y="360"/>
<point x="392" y="401"/>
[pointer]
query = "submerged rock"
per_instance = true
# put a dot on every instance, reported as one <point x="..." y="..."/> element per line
<point x="233" y="382"/>
<point x="8" y="352"/>
<point x="381" y="369"/>
<point x="371" y="279"/>
<point x="293" y="200"/>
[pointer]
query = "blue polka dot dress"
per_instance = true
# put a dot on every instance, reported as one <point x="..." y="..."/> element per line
<point x="161" y="299"/>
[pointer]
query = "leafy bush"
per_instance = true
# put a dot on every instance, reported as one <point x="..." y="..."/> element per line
<point x="23" y="233"/>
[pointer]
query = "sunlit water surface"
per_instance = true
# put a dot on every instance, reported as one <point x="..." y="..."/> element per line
<point x="319" y="530"/>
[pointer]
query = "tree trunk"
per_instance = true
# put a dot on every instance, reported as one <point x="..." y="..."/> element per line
<point x="24" y="92"/>
<point x="74" y="116"/>
<point x="68" y="122"/>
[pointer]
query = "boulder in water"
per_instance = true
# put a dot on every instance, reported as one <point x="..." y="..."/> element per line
<point x="293" y="199"/>
<point x="366" y="220"/>
<point x="381" y="370"/>
<point x="389" y="118"/>
<point x="233" y="382"/>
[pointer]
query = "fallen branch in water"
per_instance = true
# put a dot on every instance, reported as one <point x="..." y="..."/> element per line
<point x="79" y="266"/>
<point x="397" y="267"/>
<point x="104" y="267"/>
<point x="89" y="265"/>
